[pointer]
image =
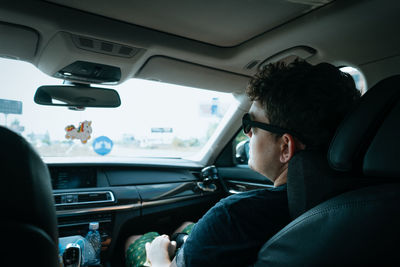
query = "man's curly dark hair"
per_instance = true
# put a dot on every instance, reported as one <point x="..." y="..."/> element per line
<point x="310" y="100"/>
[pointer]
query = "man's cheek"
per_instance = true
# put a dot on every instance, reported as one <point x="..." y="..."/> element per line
<point x="251" y="161"/>
<point x="251" y="164"/>
<point x="250" y="154"/>
<point x="251" y="146"/>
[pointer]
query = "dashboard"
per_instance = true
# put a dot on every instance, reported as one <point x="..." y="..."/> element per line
<point x="120" y="196"/>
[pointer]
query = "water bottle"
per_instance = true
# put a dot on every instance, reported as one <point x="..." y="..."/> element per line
<point x="93" y="236"/>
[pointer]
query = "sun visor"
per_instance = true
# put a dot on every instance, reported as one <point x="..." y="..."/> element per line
<point x="18" y="42"/>
<point x="174" y="71"/>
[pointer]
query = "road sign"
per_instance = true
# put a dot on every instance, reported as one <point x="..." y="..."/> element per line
<point x="102" y="145"/>
<point x="10" y="106"/>
<point x="161" y="130"/>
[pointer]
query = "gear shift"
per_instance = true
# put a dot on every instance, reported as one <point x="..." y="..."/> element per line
<point x="72" y="255"/>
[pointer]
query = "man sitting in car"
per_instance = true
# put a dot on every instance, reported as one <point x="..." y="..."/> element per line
<point x="295" y="107"/>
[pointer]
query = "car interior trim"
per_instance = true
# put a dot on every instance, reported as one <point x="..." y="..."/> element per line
<point x="154" y="192"/>
<point x="236" y="187"/>
<point x="250" y="184"/>
<point x="99" y="209"/>
<point x="146" y="204"/>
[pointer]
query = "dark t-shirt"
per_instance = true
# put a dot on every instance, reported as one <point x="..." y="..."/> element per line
<point x="232" y="232"/>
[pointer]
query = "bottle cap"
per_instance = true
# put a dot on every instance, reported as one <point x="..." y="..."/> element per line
<point x="93" y="226"/>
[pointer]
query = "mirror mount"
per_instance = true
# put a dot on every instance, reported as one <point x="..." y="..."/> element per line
<point x="77" y="108"/>
<point x="82" y="85"/>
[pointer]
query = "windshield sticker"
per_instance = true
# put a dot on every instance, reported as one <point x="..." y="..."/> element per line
<point x="102" y="145"/>
<point x="82" y="132"/>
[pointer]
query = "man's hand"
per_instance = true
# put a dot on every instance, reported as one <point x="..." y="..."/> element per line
<point x="160" y="251"/>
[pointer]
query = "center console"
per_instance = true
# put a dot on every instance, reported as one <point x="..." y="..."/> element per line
<point x="80" y="199"/>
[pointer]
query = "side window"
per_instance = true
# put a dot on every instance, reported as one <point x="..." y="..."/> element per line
<point x="241" y="148"/>
<point x="358" y="78"/>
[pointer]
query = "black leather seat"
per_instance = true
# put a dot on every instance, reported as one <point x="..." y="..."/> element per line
<point x="29" y="224"/>
<point x="358" y="221"/>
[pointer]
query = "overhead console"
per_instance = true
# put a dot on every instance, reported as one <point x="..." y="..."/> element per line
<point x="84" y="59"/>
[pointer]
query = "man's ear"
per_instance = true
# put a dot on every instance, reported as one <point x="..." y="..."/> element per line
<point x="288" y="148"/>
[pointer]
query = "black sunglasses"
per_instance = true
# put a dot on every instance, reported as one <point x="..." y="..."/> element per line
<point x="248" y="123"/>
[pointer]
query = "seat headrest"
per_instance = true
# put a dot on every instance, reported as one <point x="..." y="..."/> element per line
<point x="26" y="192"/>
<point x="311" y="181"/>
<point x="367" y="141"/>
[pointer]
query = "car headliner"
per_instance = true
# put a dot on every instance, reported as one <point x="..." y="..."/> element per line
<point x="355" y="33"/>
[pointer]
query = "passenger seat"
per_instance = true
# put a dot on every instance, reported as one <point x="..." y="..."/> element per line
<point x="29" y="225"/>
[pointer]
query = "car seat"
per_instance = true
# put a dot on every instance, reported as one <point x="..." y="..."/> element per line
<point x="29" y="223"/>
<point x="347" y="212"/>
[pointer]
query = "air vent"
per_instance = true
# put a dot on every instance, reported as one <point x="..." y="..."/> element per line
<point x="83" y="198"/>
<point x="124" y="50"/>
<point x="104" y="47"/>
<point x="107" y="47"/>
<point x="85" y="42"/>
<point x="91" y="197"/>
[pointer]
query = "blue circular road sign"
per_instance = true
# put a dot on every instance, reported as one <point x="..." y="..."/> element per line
<point x="102" y="145"/>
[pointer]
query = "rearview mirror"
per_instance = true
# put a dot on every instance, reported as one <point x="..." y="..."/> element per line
<point x="78" y="95"/>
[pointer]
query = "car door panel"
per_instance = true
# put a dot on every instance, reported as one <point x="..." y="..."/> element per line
<point x="241" y="178"/>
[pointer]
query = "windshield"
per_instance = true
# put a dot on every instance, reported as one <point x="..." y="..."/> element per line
<point x="154" y="119"/>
